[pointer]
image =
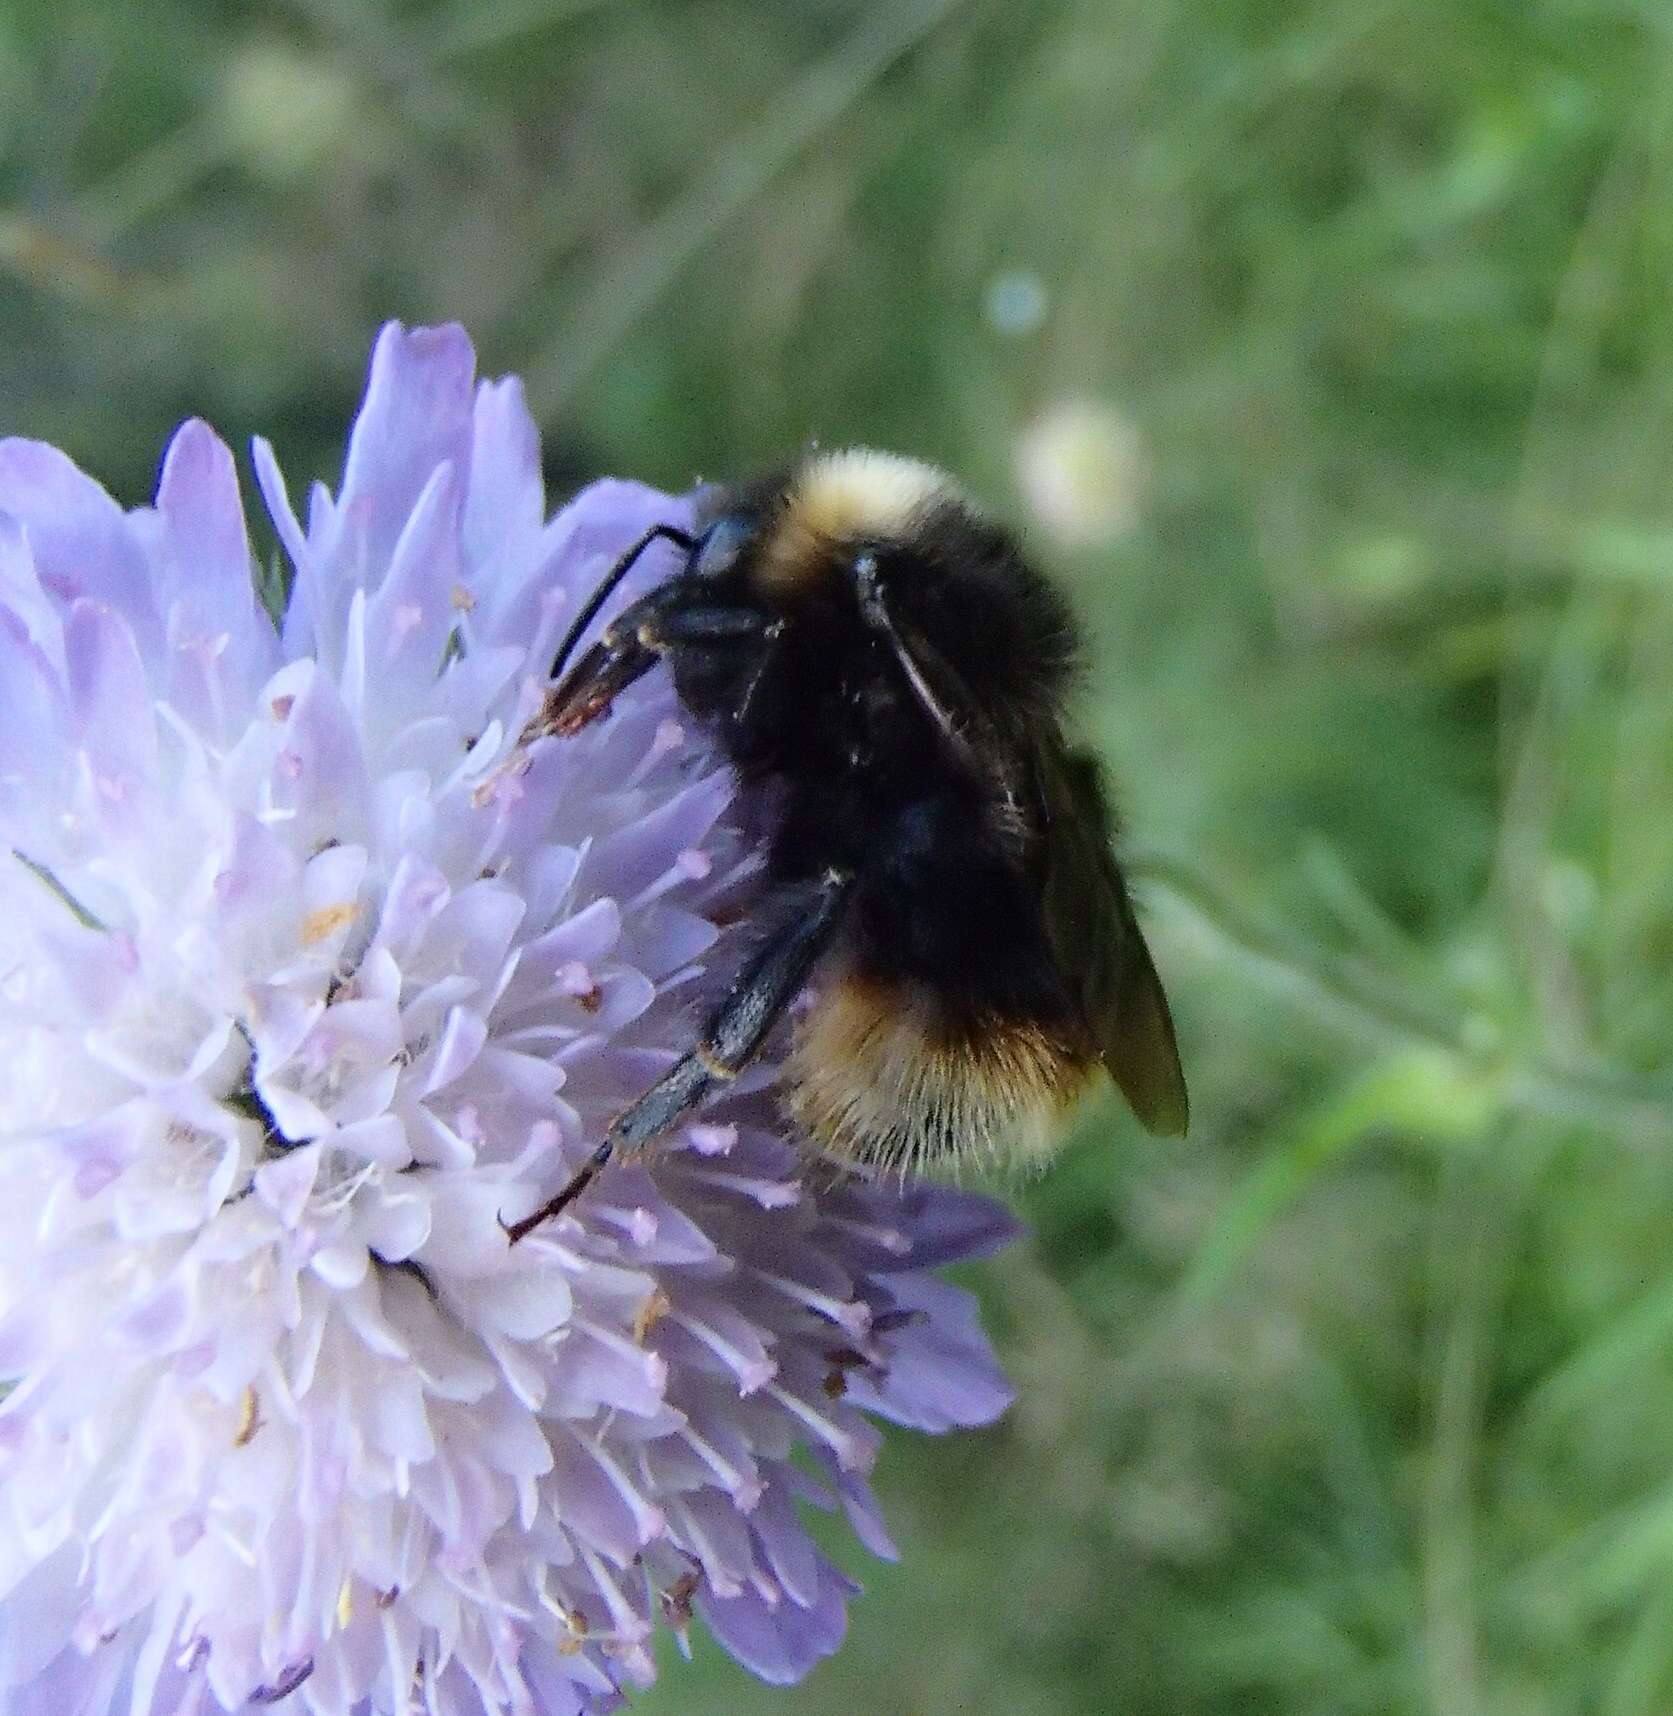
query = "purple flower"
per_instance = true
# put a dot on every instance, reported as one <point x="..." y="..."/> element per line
<point x="309" y="977"/>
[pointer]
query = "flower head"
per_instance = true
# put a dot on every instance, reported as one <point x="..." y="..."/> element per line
<point x="309" y="977"/>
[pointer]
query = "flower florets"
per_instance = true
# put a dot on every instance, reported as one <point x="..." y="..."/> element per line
<point x="311" y="975"/>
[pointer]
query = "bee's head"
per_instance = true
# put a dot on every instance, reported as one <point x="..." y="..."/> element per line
<point x="840" y="537"/>
<point x="845" y="529"/>
<point x="801" y="538"/>
<point x="793" y="537"/>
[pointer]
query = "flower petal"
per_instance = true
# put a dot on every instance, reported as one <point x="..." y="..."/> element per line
<point x="416" y="416"/>
<point x="312" y="978"/>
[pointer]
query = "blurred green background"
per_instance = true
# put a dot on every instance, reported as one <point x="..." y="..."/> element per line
<point x="1325" y="350"/>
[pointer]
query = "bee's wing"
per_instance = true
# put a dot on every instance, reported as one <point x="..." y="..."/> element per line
<point x="1097" y="942"/>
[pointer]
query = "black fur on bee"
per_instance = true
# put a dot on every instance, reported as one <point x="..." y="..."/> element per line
<point x="886" y="673"/>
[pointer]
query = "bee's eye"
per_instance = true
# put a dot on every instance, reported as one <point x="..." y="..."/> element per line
<point x="718" y="552"/>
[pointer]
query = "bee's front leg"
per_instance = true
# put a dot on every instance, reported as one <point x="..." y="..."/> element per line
<point x="665" y="621"/>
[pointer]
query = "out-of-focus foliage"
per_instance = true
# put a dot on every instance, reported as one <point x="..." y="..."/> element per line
<point x="1326" y="351"/>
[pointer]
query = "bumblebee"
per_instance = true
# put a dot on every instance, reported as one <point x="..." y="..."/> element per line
<point x="886" y="674"/>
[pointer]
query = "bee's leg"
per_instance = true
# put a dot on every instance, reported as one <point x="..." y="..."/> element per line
<point x="706" y="625"/>
<point x="731" y="1039"/>
<point x="954" y="710"/>
<point x="771" y="660"/>
<point x="940" y="691"/>
<point x="623" y="652"/>
<point x="667" y="619"/>
<point x="705" y="642"/>
<point x="598" y="678"/>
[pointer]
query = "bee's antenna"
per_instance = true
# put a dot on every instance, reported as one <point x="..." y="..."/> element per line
<point x="601" y="594"/>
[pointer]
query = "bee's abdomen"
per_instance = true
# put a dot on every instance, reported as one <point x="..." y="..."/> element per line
<point x="882" y="1072"/>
